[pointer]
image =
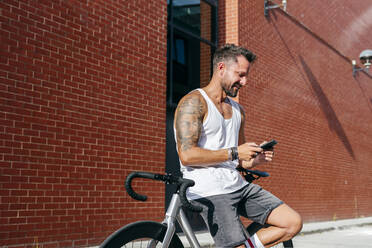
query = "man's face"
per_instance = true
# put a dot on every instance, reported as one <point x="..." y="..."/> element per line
<point x="235" y="76"/>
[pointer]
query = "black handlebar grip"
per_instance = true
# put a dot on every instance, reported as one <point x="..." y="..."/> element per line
<point x="128" y="184"/>
<point x="185" y="184"/>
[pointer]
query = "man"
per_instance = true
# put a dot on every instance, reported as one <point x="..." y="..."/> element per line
<point x="209" y="130"/>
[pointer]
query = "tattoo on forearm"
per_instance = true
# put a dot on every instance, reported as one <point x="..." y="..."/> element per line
<point x="189" y="121"/>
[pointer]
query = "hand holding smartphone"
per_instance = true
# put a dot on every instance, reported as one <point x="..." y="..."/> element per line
<point x="268" y="145"/>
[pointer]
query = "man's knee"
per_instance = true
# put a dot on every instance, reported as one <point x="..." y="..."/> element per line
<point x="286" y="218"/>
<point x="294" y="225"/>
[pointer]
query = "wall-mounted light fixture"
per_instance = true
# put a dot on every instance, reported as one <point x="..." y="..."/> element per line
<point x="274" y="6"/>
<point x="366" y="59"/>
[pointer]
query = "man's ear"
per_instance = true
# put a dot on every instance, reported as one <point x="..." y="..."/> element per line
<point x="221" y="68"/>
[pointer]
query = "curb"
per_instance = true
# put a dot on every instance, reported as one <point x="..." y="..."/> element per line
<point x="205" y="239"/>
<point x="318" y="227"/>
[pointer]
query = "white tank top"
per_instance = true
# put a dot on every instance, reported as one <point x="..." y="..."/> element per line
<point x="217" y="133"/>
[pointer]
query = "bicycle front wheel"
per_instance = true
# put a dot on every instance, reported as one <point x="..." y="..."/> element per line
<point x="140" y="234"/>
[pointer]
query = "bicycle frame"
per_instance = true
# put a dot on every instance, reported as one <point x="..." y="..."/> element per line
<point x="175" y="213"/>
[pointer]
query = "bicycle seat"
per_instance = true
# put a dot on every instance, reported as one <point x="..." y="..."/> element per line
<point x="253" y="172"/>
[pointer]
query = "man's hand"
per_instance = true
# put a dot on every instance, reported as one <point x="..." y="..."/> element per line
<point x="253" y="155"/>
<point x="265" y="156"/>
<point x="247" y="151"/>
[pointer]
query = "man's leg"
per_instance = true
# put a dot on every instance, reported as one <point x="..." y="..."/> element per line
<point x="284" y="223"/>
<point x="221" y="217"/>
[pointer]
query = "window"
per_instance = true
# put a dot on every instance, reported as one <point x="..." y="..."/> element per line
<point x="192" y="39"/>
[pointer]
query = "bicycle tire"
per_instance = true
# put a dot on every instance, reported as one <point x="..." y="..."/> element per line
<point x="139" y="233"/>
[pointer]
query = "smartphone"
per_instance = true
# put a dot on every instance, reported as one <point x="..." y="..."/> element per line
<point x="269" y="145"/>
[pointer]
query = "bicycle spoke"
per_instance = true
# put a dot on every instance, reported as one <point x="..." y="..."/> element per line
<point x="143" y="243"/>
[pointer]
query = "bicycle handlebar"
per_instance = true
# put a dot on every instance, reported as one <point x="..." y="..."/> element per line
<point x="182" y="183"/>
<point x="128" y="184"/>
<point x="188" y="183"/>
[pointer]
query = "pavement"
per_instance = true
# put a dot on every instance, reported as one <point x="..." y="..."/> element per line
<point x="350" y="233"/>
<point x="346" y="237"/>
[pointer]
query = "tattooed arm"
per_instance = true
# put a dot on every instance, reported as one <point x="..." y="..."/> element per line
<point x="189" y="118"/>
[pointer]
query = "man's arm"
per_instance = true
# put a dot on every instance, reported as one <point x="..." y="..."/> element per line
<point x="188" y="124"/>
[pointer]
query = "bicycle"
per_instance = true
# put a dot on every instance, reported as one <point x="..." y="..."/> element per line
<point x="152" y="234"/>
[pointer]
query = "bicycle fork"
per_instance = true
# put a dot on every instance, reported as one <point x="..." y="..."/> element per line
<point x="175" y="213"/>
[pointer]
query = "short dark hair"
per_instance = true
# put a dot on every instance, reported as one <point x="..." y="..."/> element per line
<point x="231" y="52"/>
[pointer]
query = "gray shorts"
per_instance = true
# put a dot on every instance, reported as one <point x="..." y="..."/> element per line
<point x="221" y="212"/>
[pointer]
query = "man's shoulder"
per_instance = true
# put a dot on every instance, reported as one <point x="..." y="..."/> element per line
<point x="194" y="102"/>
<point x="193" y="93"/>
<point x="193" y="98"/>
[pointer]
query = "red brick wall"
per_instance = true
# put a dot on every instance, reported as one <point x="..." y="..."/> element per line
<point x="229" y="11"/>
<point x="302" y="93"/>
<point x="82" y="103"/>
<point x="205" y="50"/>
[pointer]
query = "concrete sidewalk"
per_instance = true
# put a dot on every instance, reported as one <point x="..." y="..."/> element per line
<point x="206" y="240"/>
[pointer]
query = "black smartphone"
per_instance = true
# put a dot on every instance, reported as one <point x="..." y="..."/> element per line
<point x="269" y="144"/>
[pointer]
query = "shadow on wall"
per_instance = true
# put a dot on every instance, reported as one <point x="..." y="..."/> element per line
<point x="333" y="122"/>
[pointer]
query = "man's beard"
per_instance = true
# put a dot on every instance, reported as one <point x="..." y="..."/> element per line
<point x="233" y="91"/>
